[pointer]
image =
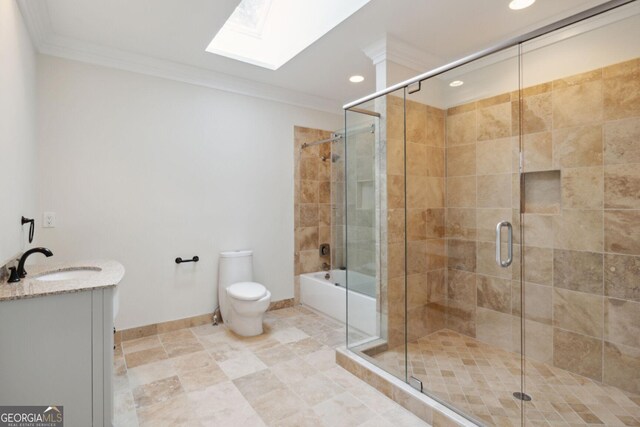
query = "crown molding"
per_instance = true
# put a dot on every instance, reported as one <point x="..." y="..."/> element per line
<point x="395" y="50"/>
<point x="36" y="16"/>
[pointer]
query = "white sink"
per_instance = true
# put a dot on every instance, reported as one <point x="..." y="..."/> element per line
<point x="71" y="274"/>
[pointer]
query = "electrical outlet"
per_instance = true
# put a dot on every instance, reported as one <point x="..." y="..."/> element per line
<point x="49" y="220"/>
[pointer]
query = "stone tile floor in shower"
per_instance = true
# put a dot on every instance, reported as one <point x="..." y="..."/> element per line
<point x="479" y="379"/>
<point x="207" y="376"/>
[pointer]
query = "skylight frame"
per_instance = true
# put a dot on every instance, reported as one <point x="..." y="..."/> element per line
<point x="284" y="29"/>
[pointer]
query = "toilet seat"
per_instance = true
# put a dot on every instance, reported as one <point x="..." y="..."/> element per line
<point x="247" y="291"/>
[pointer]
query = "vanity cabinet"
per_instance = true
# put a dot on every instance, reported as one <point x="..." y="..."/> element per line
<point x="58" y="350"/>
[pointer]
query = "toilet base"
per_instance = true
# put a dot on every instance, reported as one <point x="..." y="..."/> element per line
<point x="247" y="326"/>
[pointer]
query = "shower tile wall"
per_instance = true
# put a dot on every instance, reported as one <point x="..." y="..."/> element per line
<point x="425" y="196"/>
<point x="312" y="205"/>
<point x="581" y="140"/>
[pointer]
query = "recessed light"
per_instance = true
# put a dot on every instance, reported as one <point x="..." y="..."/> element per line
<point x="520" y="4"/>
<point x="456" y="83"/>
<point x="356" y="79"/>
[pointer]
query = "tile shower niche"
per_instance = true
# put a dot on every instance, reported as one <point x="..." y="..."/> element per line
<point x="542" y="193"/>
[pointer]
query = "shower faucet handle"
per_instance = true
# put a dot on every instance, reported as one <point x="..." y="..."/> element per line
<point x="325" y="249"/>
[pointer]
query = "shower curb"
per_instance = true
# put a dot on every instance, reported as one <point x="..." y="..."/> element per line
<point x="424" y="407"/>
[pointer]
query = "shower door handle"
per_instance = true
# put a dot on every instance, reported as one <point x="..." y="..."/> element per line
<point x="506" y="263"/>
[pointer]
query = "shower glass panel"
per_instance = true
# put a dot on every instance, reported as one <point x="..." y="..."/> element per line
<point x="505" y="252"/>
<point x="463" y="308"/>
<point x="375" y="229"/>
<point x="581" y="221"/>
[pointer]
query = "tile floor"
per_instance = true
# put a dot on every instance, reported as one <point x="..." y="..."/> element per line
<point x="207" y="376"/>
<point x="480" y="380"/>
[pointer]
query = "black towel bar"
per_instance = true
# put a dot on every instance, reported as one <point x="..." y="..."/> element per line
<point x="194" y="259"/>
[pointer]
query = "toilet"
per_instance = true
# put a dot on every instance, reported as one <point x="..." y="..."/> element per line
<point x="242" y="301"/>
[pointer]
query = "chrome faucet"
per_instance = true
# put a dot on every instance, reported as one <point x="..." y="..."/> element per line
<point x="18" y="274"/>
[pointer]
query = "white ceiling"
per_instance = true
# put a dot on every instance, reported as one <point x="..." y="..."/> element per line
<point x="180" y="30"/>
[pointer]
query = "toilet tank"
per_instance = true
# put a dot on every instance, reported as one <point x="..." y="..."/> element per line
<point x="234" y="267"/>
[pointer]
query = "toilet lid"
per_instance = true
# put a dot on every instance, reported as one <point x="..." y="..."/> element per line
<point x="247" y="291"/>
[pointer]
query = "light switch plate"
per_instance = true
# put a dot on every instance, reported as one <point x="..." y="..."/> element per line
<point x="49" y="220"/>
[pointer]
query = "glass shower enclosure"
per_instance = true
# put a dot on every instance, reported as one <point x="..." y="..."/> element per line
<point x="495" y="217"/>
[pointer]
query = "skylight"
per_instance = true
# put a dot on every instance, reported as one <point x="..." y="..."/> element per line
<point x="269" y="33"/>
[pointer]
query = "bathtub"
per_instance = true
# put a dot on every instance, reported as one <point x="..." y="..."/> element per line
<point x="328" y="298"/>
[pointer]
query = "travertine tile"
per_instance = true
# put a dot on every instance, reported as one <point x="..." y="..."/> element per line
<point x="435" y="123"/>
<point x="416" y="159"/>
<point x="537" y="150"/>
<point x="538" y="341"/>
<point x="578" y="146"/>
<point x="461" y="160"/>
<point x="622" y="367"/>
<point x="145" y="356"/>
<point x="308" y="215"/>
<point x="620" y="141"/>
<point x="435" y="223"/>
<point x="494" y="156"/>
<point x="578" y="271"/>
<point x="536" y="113"/>
<point x="486" y="221"/>
<point x="538" y="265"/>
<point x="435" y="165"/>
<point x="486" y="261"/>
<point x="461" y="128"/>
<point x="174" y="412"/>
<point x="157" y="391"/>
<point x="461" y="255"/>
<point x="461" y="223"/>
<point x="416" y="223"/>
<point x="201" y="378"/>
<point x="622" y="186"/>
<point x="243" y="363"/>
<point x="395" y="156"/>
<point x="494" y="122"/>
<point x="578" y="312"/>
<point x="494" y="293"/>
<point x="577" y="105"/>
<point x="494" y="328"/>
<point x="578" y="230"/>
<point x="140" y="344"/>
<point x="622" y="231"/>
<point x="308" y="191"/>
<point x="577" y="353"/>
<point x="150" y="372"/>
<point x="622" y="322"/>
<point x="537" y="303"/>
<point x="577" y="79"/>
<point x="342" y="410"/>
<point x="416" y="116"/>
<point x="582" y="188"/>
<point x="622" y="96"/>
<point x="494" y="191"/>
<point x="621" y="273"/>
<point x="538" y="230"/>
<point x="461" y="192"/>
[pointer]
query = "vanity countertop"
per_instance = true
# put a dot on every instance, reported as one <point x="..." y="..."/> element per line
<point x="110" y="273"/>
